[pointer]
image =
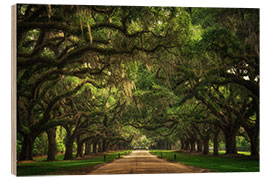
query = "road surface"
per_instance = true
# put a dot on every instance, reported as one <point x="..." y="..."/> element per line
<point x="142" y="162"/>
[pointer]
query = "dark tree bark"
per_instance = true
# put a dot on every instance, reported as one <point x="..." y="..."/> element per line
<point x="114" y="147"/>
<point x="104" y="145"/>
<point x="95" y="147"/>
<point x="100" y="147"/>
<point x="254" y="139"/>
<point x="254" y="142"/>
<point x="69" y="148"/>
<point x="230" y="141"/>
<point x="52" y="145"/>
<point x="199" y="145"/>
<point x="27" y="147"/>
<point x="215" y="141"/>
<point x="206" y="146"/>
<point x="192" y="145"/>
<point x="87" y="148"/>
<point x="182" y="140"/>
<point x="253" y="133"/>
<point x="187" y="147"/>
<point x="79" y="147"/>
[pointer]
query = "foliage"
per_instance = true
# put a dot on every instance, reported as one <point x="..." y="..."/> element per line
<point x="41" y="145"/>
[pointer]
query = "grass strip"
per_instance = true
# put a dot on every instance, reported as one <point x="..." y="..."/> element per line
<point x="41" y="167"/>
<point x="213" y="163"/>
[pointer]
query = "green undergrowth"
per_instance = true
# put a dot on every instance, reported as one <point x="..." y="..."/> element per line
<point x="77" y="166"/>
<point x="213" y="163"/>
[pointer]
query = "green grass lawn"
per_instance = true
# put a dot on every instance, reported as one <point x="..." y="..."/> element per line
<point x="213" y="163"/>
<point x="58" y="157"/>
<point x="239" y="152"/>
<point x="76" y="166"/>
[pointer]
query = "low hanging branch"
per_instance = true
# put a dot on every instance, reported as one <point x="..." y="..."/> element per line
<point x="89" y="29"/>
<point x="90" y="34"/>
<point x="51" y="104"/>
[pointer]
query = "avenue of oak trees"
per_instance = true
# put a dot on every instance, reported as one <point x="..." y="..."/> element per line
<point x="104" y="77"/>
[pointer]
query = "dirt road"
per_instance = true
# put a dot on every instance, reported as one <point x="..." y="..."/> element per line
<point x="142" y="162"/>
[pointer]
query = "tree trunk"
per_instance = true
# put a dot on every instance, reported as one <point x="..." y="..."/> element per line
<point x="187" y="147"/>
<point x="215" y="141"/>
<point x="182" y="140"/>
<point x="104" y="145"/>
<point x="87" y="148"/>
<point x="230" y="142"/>
<point x="114" y="148"/>
<point x="95" y="147"/>
<point x="192" y="145"/>
<point x="52" y="145"/>
<point x="100" y="147"/>
<point x="69" y="148"/>
<point x="205" y="145"/>
<point x="253" y="134"/>
<point x="199" y="145"/>
<point x="27" y="147"/>
<point x="79" y="149"/>
<point x="254" y="142"/>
